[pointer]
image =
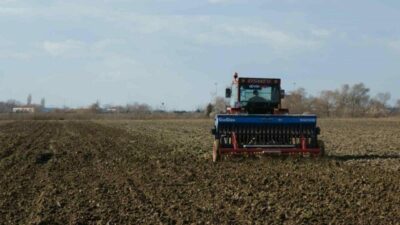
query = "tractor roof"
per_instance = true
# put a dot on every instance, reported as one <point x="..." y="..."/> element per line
<point x="250" y="80"/>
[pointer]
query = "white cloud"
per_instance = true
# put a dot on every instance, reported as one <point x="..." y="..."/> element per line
<point x="7" y="1"/>
<point x="321" y="33"/>
<point x="5" y="43"/>
<point x="272" y="37"/>
<point x="14" y="11"/>
<point x="202" y="29"/>
<point x="107" y="43"/>
<point x="8" y="51"/>
<point x="229" y="34"/>
<point x="196" y="30"/>
<point x="219" y="1"/>
<point x="113" y="67"/>
<point x="79" y="49"/>
<point x="265" y="1"/>
<point x="141" y="23"/>
<point x="68" y="47"/>
<point x="15" y="55"/>
<point x="394" y="44"/>
<point x="228" y="1"/>
<point x="119" y="61"/>
<point x="391" y="44"/>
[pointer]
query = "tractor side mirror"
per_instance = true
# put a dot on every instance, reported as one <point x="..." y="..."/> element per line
<point x="283" y="94"/>
<point x="228" y="93"/>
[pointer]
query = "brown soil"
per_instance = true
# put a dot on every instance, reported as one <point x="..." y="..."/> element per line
<point x="160" y="172"/>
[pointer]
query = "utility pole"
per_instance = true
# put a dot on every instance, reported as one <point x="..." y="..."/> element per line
<point x="214" y="93"/>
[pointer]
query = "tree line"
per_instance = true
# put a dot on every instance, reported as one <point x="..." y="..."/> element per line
<point x="9" y="105"/>
<point x="346" y="101"/>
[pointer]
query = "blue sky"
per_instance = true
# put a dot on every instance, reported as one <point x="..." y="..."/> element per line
<point x="175" y="51"/>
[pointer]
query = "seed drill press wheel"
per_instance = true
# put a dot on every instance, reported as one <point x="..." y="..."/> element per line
<point x="216" y="156"/>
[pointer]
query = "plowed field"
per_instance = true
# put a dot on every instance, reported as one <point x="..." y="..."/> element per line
<point x="160" y="172"/>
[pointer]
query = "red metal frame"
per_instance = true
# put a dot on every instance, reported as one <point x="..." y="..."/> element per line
<point x="236" y="150"/>
<point x="234" y="110"/>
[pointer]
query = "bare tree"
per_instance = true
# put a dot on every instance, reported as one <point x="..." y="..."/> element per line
<point x="342" y="100"/>
<point x="209" y="109"/>
<point x="348" y="101"/>
<point x="297" y="101"/>
<point x="326" y="103"/>
<point x="7" y="107"/>
<point x="95" y="107"/>
<point x="397" y="107"/>
<point x="378" y="105"/>
<point x="219" y="105"/>
<point x="138" y="108"/>
<point x="358" y="99"/>
<point x="384" y="98"/>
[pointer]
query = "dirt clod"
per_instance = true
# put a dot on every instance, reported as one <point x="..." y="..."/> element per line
<point x="43" y="158"/>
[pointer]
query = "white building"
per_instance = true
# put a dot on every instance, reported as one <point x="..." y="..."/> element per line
<point x="26" y="109"/>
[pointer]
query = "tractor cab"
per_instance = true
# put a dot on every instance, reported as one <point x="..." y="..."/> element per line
<point x="255" y="96"/>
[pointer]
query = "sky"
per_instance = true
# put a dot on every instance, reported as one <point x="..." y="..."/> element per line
<point x="181" y="52"/>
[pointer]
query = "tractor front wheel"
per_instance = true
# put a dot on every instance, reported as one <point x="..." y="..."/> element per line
<point x="216" y="156"/>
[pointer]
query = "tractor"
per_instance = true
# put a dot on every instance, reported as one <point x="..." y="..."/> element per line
<point x="256" y="123"/>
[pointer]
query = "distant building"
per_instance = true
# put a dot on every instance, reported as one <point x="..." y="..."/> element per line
<point x="24" y="109"/>
<point x="111" y="110"/>
<point x="48" y="110"/>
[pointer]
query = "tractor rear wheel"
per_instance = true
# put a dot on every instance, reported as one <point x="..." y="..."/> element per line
<point x="216" y="156"/>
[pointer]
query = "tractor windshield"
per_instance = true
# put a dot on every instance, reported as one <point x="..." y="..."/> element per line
<point x="259" y="93"/>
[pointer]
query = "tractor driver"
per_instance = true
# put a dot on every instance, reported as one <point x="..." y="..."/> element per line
<point x="256" y="98"/>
